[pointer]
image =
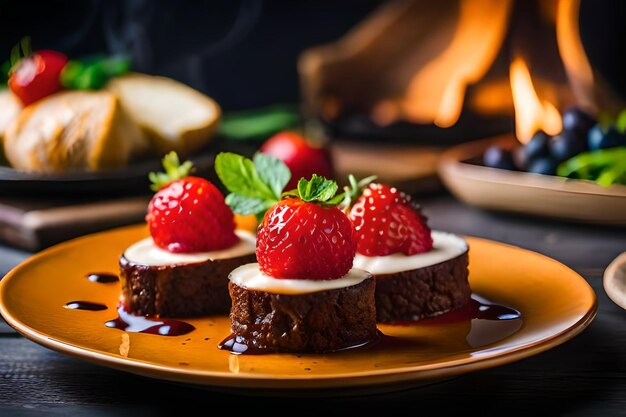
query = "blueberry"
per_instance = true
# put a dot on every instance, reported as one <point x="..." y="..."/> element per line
<point x="538" y="145"/>
<point x="575" y="119"/>
<point x="566" y="145"/>
<point x="520" y="157"/>
<point x="542" y="165"/>
<point x="599" y="138"/>
<point x="498" y="157"/>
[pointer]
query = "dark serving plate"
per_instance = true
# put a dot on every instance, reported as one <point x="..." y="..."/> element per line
<point x="128" y="180"/>
<point x="123" y="181"/>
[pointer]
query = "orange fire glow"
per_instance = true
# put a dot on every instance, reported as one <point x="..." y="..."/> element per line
<point x="573" y="53"/>
<point x="436" y="92"/>
<point x="451" y="58"/>
<point x="531" y="113"/>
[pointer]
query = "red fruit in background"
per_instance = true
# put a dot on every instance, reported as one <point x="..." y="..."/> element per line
<point x="302" y="157"/>
<point x="387" y="222"/>
<point x="190" y="215"/>
<point x="305" y="240"/>
<point x="37" y="75"/>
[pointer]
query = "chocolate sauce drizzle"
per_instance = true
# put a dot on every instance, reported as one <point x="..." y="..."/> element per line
<point x="102" y="278"/>
<point x="141" y="324"/>
<point x="477" y="308"/>
<point x="129" y="322"/>
<point x="490" y="322"/>
<point x="85" y="305"/>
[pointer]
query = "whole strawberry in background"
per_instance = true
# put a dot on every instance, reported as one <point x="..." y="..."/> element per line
<point x="34" y="75"/>
<point x="303" y="234"/>
<point x="301" y="156"/>
<point x="387" y="221"/>
<point x="188" y="213"/>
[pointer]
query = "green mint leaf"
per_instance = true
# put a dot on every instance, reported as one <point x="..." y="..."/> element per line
<point x="239" y="176"/>
<point x="254" y="185"/>
<point x="273" y="172"/>
<point x="174" y="170"/>
<point x="247" y="205"/>
<point x="317" y="189"/>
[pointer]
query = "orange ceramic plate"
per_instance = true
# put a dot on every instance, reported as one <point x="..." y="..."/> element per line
<point x="556" y="304"/>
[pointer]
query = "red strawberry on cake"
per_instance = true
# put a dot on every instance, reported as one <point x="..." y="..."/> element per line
<point x="297" y="234"/>
<point x="182" y="269"/>
<point x="419" y="272"/>
<point x="303" y="294"/>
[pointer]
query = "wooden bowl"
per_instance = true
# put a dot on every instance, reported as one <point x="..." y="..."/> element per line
<point x="462" y="172"/>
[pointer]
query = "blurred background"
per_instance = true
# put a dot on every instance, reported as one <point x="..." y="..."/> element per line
<point x="388" y="85"/>
<point x="245" y="54"/>
<point x="242" y="53"/>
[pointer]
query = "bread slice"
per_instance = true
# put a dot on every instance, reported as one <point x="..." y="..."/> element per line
<point x="174" y="116"/>
<point x="10" y="108"/>
<point x="73" y="131"/>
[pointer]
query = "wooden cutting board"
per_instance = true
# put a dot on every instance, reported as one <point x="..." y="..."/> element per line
<point x="34" y="224"/>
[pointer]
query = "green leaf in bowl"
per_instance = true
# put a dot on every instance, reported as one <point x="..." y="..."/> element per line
<point x="604" y="166"/>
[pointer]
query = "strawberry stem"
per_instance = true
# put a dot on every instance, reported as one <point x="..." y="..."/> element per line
<point x="25" y="43"/>
<point x="353" y="190"/>
<point x="20" y="50"/>
<point x="174" y="171"/>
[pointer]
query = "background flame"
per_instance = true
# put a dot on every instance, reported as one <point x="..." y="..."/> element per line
<point x="436" y="92"/>
<point x="531" y="113"/>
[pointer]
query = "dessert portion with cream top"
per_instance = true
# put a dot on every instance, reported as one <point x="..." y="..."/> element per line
<point x="303" y="293"/>
<point x="446" y="246"/>
<point x="419" y="273"/>
<point x="251" y="277"/>
<point x="147" y="252"/>
<point x="181" y="269"/>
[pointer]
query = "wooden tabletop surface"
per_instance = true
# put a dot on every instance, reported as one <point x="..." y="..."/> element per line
<point x="585" y="376"/>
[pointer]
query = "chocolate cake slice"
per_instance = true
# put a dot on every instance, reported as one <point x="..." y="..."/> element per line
<point x="410" y="288"/>
<point x="288" y="315"/>
<point x="159" y="283"/>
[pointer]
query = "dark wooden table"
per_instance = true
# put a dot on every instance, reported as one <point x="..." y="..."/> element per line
<point x="585" y="376"/>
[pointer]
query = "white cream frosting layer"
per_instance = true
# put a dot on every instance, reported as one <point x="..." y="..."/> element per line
<point x="446" y="246"/>
<point x="146" y="252"/>
<point x="250" y="277"/>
